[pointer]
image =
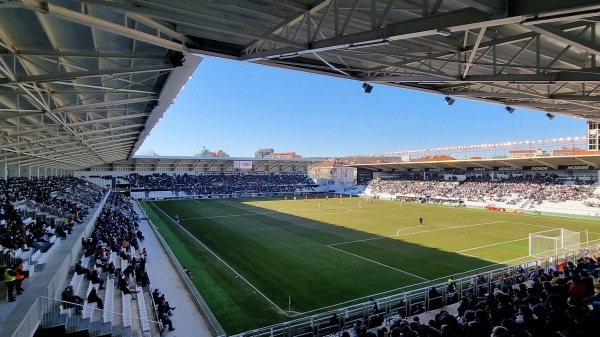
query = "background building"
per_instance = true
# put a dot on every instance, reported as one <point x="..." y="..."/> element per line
<point x="333" y="173"/>
<point x="262" y="153"/>
<point x="283" y="155"/>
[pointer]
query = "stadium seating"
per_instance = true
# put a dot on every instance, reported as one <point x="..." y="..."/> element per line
<point x="542" y="196"/>
<point x="166" y="186"/>
<point x="537" y="193"/>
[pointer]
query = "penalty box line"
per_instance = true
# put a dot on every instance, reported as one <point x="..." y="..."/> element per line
<point x="503" y="242"/>
<point x="419" y="232"/>
<point x="225" y="264"/>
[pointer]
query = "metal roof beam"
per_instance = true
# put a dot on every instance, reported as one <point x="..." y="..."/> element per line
<point x="595" y="165"/>
<point x="93" y="22"/>
<point x="584" y="76"/>
<point x="510" y="164"/>
<point x="484" y="166"/>
<point x="111" y="129"/>
<point x="82" y="54"/>
<point x="408" y="79"/>
<point x="84" y="74"/>
<point x="511" y="95"/>
<point x="545" y="163"/>
<point x="462" y="19"/>
<point x="563" y="97"/>
<point x="107" y="120"/>
<point x="70" y="108"/>
<point x="559" y="35"/>
<point x="544" y="8"/>
<point x="91" y="141"/>
<point x="32" y="142"/>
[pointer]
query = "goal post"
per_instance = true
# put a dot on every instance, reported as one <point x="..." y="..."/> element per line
<point x="571" y="240"/>
<point x="554" y="242"/>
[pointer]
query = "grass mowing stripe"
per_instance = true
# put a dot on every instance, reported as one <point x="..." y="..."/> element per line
<point x="224" y="263"/>
<point x="281" y="247"/>
<point x="379" y="263"/>
<point x="235" y="305"/>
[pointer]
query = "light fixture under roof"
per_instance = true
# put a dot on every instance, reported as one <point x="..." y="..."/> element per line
<point x="367" y="88"/>
<point x="449" y="100"/>
<point x="550" y="116"/>
<point x="510" y="109"/>
<point x="443" y="32"/>
<point x="367" y="44"/>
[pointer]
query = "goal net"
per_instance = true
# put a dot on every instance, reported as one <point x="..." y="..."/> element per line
<point x="553" y="242"/>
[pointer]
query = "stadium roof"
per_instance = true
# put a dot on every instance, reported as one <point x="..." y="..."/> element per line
<point x="552" y="163"/>
<point x="79" y="80"/>
<point x="205" y="164"/>
<point x="82" y="85"/>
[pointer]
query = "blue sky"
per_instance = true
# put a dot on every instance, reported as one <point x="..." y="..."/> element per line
<point x="241" y="107"/>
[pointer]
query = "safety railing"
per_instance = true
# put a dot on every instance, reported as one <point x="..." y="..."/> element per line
<point x="88" y="317"/>
<point x="417" y="301"/>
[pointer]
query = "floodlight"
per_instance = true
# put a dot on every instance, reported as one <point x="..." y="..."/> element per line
<point x="367" y="88"/>
<point x="449" y="100"/>
<point x="510" y="109"/>
<point x="550" y="116"/>
<point x="443" y="32"/>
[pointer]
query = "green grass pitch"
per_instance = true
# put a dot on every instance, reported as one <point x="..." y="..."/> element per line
<point x="255" y="264"/>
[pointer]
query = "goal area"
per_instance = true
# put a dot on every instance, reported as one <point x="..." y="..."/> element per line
<point x="554" y="242"/>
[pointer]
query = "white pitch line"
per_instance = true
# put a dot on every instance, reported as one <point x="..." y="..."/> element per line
<point x="231" y="215"/>
<point x="453" y="227"/>
<point x="401" y="229"/>
<point x="490" y="245"/>
<point x="481" y="258"/>
<point x="427" y="231"/>
<point x="362" y="240"/>
<point x="397" y="290"/>
<point x="379" y="263"/>
<point x="225" y="264"/>
<point x="532" y="225"/>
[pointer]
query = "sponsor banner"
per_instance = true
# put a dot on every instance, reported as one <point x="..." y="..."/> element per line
<point x="576" y="167"/>
<point x="476" y="169"/>
<point x="507" y="168"/>
<point x="242" y="164"/>
<point x="434" y="170"/>
<point x="537" y="168"/>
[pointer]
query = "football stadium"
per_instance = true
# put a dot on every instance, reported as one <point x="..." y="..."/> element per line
<point x="99" y="241"/>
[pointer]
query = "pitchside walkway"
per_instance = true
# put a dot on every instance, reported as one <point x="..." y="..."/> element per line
<point x="187" y="320"/>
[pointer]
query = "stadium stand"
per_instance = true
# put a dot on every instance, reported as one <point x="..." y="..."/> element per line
<point x="533" y="193"/>
<point x="162" y="186"/>
<point x="115" y="237"/>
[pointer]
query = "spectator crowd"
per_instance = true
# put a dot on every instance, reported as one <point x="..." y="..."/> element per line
<point x="67" y="199"/>
<point x="537" y="303"/>
<point x="221" y="183"/>
<point x="514" y="190"/>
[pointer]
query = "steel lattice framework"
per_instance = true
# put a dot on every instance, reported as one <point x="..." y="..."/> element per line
<point x="79" y="80"/>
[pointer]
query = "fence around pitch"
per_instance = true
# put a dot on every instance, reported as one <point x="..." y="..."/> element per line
<point x="404" y="304"/>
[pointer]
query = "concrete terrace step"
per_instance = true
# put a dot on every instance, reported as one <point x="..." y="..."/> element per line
<point x="76" y="323"/>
